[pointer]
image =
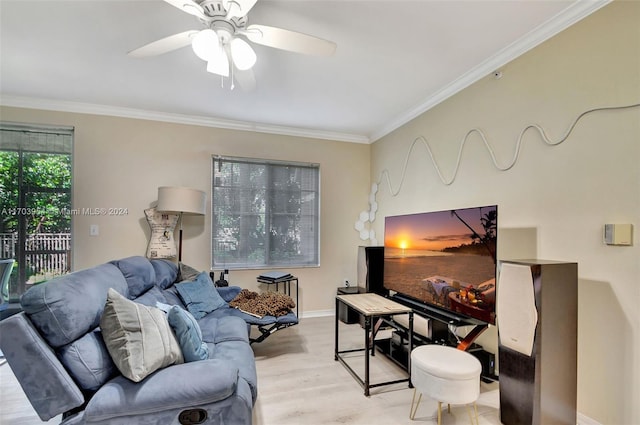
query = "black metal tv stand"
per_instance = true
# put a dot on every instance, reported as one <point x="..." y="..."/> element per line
<point x="396" y="347"/>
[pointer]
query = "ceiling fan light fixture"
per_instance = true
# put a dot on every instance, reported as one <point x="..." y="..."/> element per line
<point x="206" y="44"/>
<point x="243" y="55"/>
<point x="219" y="44"/>
<point x="219" y="65"/>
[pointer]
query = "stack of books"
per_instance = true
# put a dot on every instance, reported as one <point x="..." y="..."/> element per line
<point x="275" y="277"/>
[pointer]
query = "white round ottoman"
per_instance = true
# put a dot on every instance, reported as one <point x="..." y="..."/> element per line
<point x="447" y="375"/>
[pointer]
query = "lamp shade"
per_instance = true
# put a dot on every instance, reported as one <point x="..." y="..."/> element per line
<point x="219" y="64"/>
<point x="206" y="44"/>
<point x="243" y="55"/>
<point x="181" y="199"/>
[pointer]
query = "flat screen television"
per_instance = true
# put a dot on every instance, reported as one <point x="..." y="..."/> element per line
<point x="445" y="260"/>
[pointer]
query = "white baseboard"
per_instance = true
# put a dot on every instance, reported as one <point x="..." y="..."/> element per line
<point x="317" y="313"/>
<point x="585" y="420"/>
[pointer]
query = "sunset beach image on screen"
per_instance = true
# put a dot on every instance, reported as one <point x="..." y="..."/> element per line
<point x="444" y="258"/>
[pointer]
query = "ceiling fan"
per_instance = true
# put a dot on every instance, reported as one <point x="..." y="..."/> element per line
<point x="222" y="42"/>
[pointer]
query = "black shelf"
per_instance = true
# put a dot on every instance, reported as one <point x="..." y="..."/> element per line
<point x="437" y="314"/>
<point x="395" y="353"/>
<point x="396" y="349"/>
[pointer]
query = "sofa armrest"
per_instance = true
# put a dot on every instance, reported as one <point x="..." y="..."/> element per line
<point x="44" y="380"/>
<point x="228" y="293"/>
<point x="175" y="387"/>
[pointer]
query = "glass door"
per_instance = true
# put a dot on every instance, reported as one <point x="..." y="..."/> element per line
<point x="35" y="203"/>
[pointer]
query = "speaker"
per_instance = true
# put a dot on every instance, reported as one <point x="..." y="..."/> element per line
<point x="537" y="306"/>
<point x="516" y="307"/>
<point x="371" y="269"/>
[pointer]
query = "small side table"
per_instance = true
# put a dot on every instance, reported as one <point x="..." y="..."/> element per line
<point x="370" y="306"/>
<point x="346" y="314"/>
<point x="286" y="283"/>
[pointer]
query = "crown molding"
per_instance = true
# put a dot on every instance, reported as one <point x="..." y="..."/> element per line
<point x="569" y="16"/>
<point x="95" y="109"/>
<point x="575" y="12"/>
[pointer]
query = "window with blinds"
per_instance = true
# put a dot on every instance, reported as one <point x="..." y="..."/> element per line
<point x="265" y="214"/>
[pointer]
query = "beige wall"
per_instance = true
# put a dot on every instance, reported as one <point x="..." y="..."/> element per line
<point x="121" y="162"/>
<point x="555" y="200"/>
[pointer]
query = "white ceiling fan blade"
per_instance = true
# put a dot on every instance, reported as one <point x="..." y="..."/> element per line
<point x="289" y="40"/>
<point x="164" y="45"/>
<point x="188" y="6"/>
<point x="237" y="8"/>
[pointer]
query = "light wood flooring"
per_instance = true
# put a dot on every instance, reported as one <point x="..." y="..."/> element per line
<point x="300" y="383"/>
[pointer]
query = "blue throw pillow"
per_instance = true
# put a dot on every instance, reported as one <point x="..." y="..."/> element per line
<point x="189" y="335"/>
<point x="200" y="296"/>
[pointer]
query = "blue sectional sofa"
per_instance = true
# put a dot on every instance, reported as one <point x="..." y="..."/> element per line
<point x="57" y="351"/>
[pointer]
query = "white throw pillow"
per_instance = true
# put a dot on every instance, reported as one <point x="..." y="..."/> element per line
<point x="138" y="338"/>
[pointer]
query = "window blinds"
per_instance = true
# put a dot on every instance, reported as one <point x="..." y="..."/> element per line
<point x="265" y="213"/>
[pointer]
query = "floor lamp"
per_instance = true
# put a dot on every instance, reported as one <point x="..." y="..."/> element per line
<point x="181" y="200"/>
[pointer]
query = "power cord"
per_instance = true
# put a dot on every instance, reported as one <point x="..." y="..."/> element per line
<point x="543" y="134"/>
<point x="370" y="216"/>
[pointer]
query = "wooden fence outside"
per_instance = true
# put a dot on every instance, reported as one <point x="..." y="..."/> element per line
<point x="45" y="253"/>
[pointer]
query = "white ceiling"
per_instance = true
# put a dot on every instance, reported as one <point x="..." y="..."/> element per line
<point x="394" y="60"/>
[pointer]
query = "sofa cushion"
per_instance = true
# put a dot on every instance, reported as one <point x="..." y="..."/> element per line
<point x="120" y="401"/>
<point x="151" y="297"/>
<point x="138" y="272"/>
<point x="172" y="297"/>
<point x="67" y="307"/>
<point x="138" y="337"/>
<point x="200" y="296"/>
<point x="241" y="355"/>
<point x="88" y="361"/>
<point x="222" y="326"/>
<point x="166" y="272"/>
<point x="46" y="383"/>
<point x="228" y="293"/>
<point x="189" y="335"/>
